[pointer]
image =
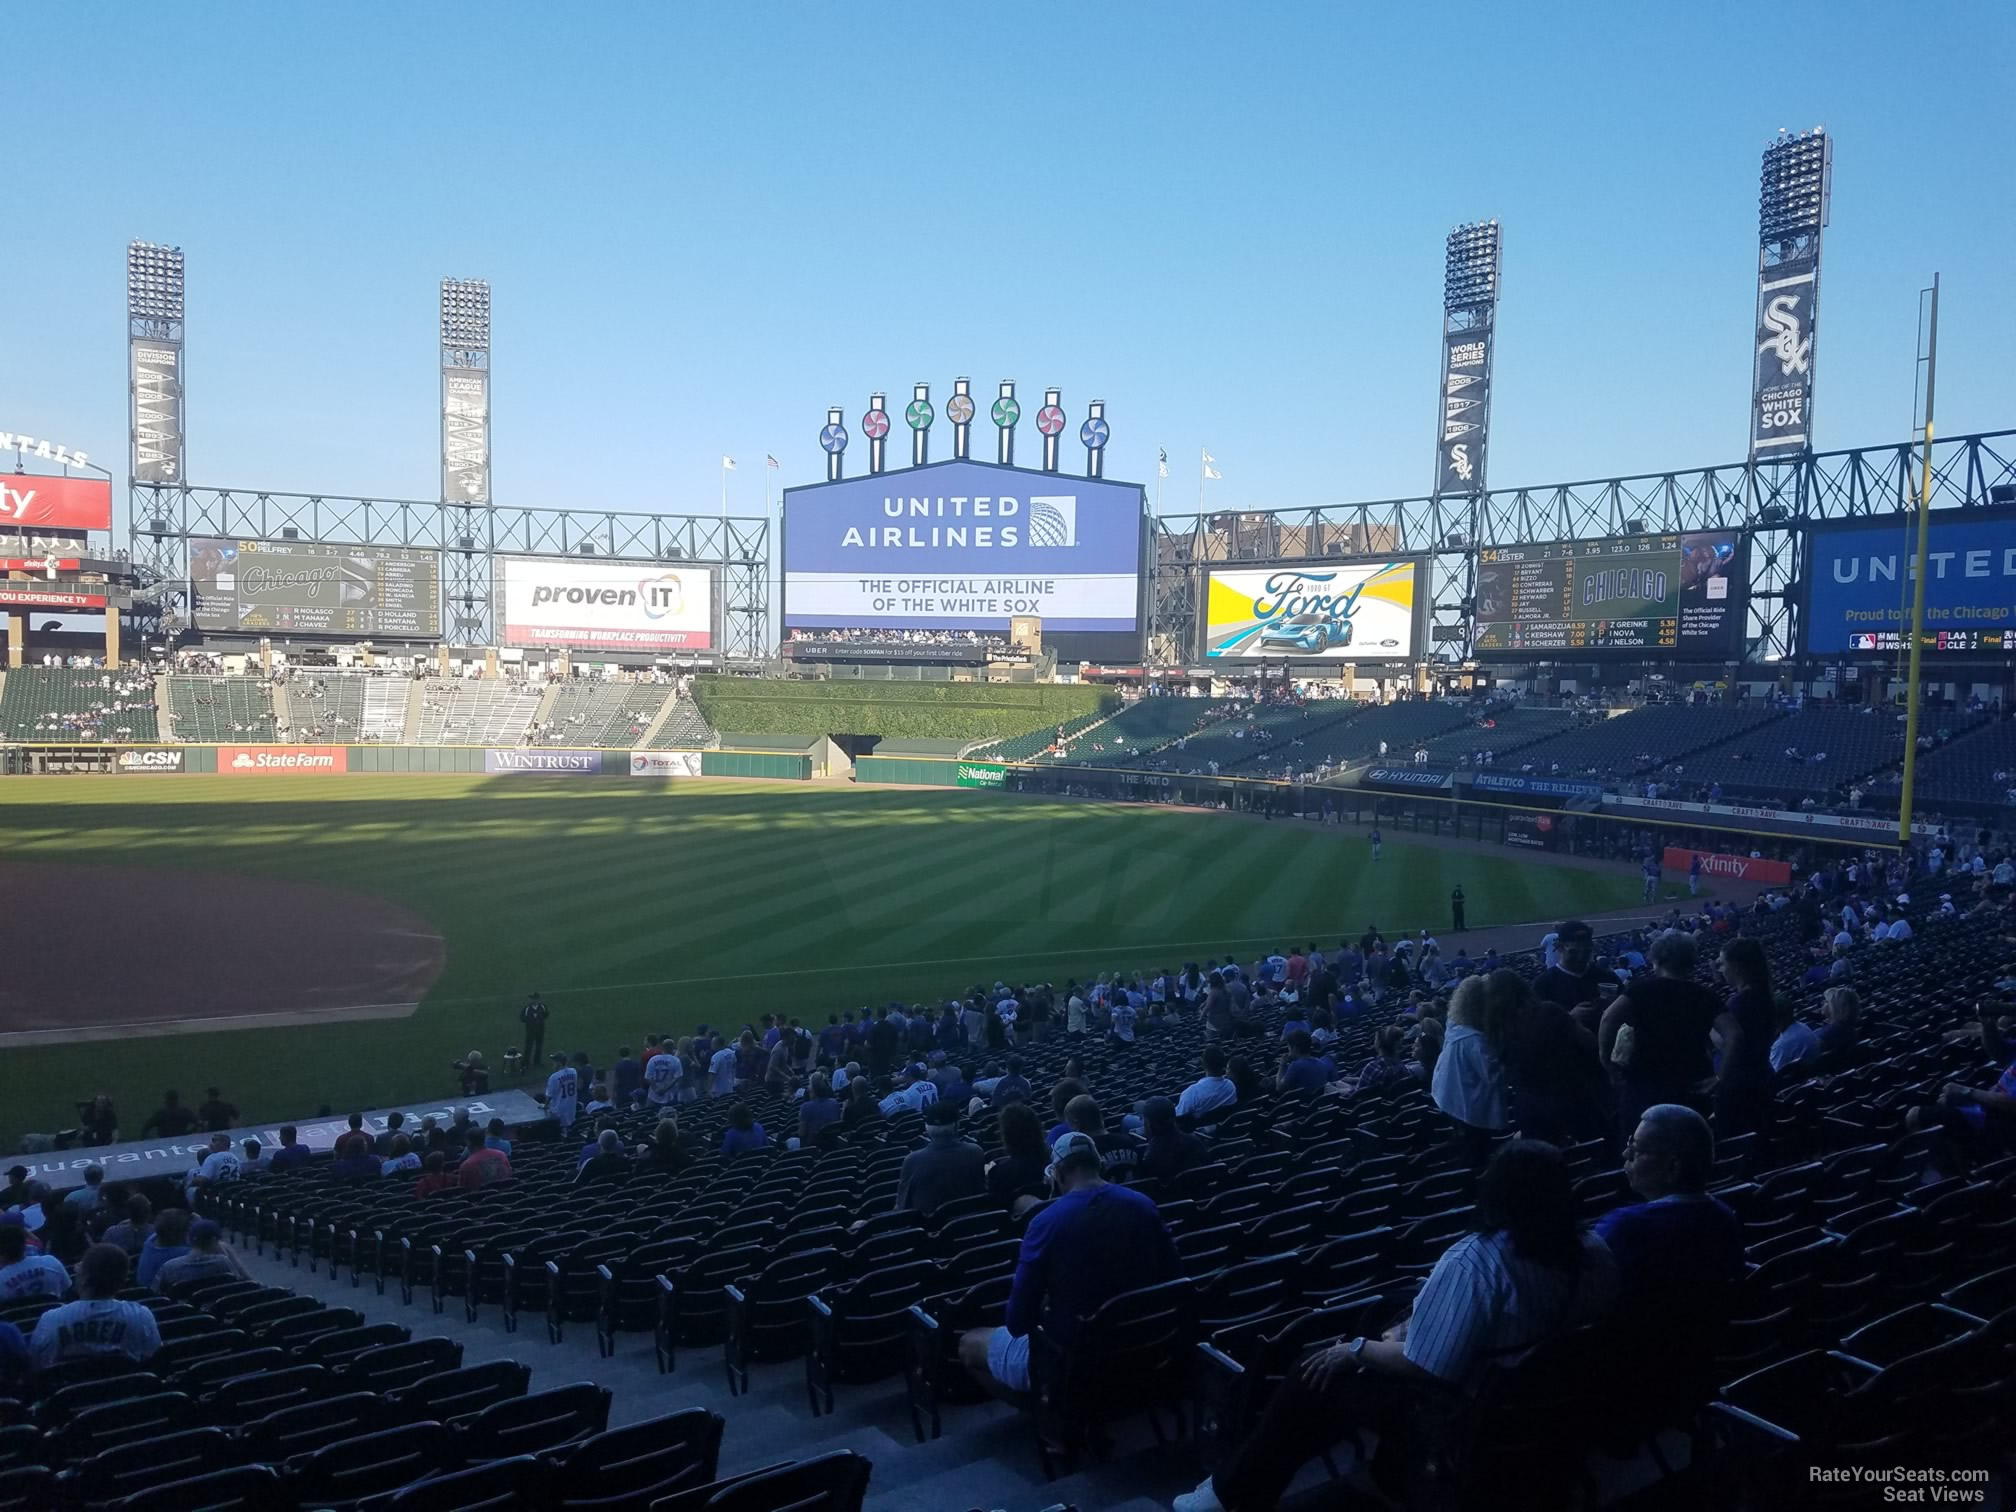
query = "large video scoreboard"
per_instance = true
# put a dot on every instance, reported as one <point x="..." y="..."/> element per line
<point x="1677" y="594"/>
<point x="300" y="588"/>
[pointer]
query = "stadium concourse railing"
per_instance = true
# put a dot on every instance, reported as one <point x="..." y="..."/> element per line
<point x="274" y="759"/>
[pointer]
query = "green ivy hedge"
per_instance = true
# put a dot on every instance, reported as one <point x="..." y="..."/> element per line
<point x="917" y="711"/>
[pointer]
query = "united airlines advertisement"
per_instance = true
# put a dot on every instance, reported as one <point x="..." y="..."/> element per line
<point x="1341" y="611"/>
<point x="964" y="546"/>
<point x="1860" y="577"/>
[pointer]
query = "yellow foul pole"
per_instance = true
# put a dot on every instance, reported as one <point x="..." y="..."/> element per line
<point x="1917" y="631"/>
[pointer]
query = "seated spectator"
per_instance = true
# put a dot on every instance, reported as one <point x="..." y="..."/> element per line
<point x="219" y="1168"/>
<point x="1119" y="1153"/>
<point x="17" y="1368"/>
<point x="98" y="1323"/>
<point x="481" y="1165"/>
<point x="434" y="1175"/>
<point x="131" y="1232"/>
<point x="608" y="1163"/>
<point x="169" y="1240"/>
<point x="1844" y="1008"/>
<point x="1060" y="1099"/>
<point x="1171" y="1149"/>
<point x="1024" y="1157"/>
<point x="24" y="1275"/>
<point x="1210" y="1092"/>
<point x="1796" y="1046"/>
<point x="591" y="1148"/>
<point x="1095" y="1241"/>
<point x="743" y="1133"/>
<point x="863" y="1106"/>
<point x="208" y="1258"/>
<point x="1529" y="1271"/>
<point x="395" y="1125"/>
<point x="948" y="1167"/>
<point x="495" y="1138"/>
<point x="1388" y="1068"/>
<point x="1302" y="1069"/>
<point x="1012" y="1086"/>
<point x="1427" y="1047"/>
<point x="1679" y="1251"/>
<point x="292" y="1154"/>
<point x="354" y="1160"/>
<point x="252" y="1158"/>
<point x="85" y="1200"/>
<point x="915" y="1091"/>
<point x="820" y="1110"/>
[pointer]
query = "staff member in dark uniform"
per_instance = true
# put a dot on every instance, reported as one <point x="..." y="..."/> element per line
<point x="1456" y="908"/>
<point x="533" y="1016"/>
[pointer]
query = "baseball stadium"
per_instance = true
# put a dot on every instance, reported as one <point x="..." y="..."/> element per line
<point x="973" y="989"/>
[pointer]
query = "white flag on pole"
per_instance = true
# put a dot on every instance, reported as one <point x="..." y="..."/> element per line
<point x="1209" y="459"/>
<point x="728" y="463"/>
<point x="1162" y="463"/>
<point x="1212" y="472"/>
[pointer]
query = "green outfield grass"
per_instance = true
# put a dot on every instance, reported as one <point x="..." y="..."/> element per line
<point x="639" y="906"/>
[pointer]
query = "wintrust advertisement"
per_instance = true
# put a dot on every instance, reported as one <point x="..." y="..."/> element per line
<point x="566" y="763"/>
<point x="964" y="545"/>
<point x="605" y="606"/>
<point x="290" y="761"/>
<point x="1342" y="611"/>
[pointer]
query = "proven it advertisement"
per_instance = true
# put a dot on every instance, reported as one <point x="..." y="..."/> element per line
<point x="1343" y="611"/>
<point x="605" y="606"/>
<point x="963" y="546"/>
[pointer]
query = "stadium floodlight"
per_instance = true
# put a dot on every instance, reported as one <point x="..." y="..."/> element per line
<point x="1796" y="185"/>
<point x="465" y="312"/>
<point x="153" y="282"/>
<point x="1470" y="268"/>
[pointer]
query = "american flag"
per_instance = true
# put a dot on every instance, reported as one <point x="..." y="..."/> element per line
<point x="770" y="459"/>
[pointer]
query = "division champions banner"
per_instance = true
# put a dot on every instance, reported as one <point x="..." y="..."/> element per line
<point x="1343" y="611"/>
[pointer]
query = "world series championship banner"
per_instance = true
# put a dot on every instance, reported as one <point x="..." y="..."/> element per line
<point x="1782" y="392"/>
<point x="1466" y="410"/>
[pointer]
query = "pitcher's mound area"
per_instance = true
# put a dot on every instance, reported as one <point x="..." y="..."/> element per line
<point x="103" y="952"/>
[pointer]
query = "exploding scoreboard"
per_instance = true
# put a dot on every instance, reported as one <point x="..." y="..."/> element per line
<point x="287" y="587"/>
<point x="1680" y="594"/>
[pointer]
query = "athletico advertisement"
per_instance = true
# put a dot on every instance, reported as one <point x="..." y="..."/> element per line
<point x="605" y="606"/>
<point x="964" y="546"/>
<point x="1860" y="581"/>
<point x="34" y="501"/>
<point x="1342" y="611"/>
<point x="1737" y="868"/>
<point x="567" y="763"/>
<point x="664" y="763"/>
<point x="260" y="761"/>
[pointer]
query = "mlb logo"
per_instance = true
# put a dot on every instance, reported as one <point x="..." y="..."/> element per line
<point x="1053" y="520"/>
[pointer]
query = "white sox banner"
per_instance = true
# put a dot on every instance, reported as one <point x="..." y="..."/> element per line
<point x="1466" y="411"/>
<point x="1781" y="405"/>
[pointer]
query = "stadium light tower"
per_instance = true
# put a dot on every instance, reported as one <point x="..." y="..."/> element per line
<point x="154" y="363"/>
<point x="465" y="391"/>
<point x="1470" y="278"/>
<point x="1793" y="200"/>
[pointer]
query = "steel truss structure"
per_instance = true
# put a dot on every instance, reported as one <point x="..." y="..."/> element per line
<point x="1769" y="500"/>
<point x="164" y="520"/>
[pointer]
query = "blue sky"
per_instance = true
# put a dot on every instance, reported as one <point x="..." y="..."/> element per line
<point x="703" y="225"/>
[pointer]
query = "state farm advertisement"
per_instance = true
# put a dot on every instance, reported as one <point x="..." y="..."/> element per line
<point x="257" y="761"/>
<point x="605" y="606"/>
<point x="29" y="501"/>
<point x="1735" y="868"/>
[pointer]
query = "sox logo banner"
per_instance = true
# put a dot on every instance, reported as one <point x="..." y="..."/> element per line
<point x="1465" y="411"/>
<point x="1781" y="403"/>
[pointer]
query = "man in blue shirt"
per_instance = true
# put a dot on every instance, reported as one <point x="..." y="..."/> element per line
<point x="1303" y="1070"/>
<point x="1095" y="1241"/>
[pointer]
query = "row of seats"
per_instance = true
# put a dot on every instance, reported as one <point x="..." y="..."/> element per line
<point x="207" y="710"/>
<point x="476" y="713"/>
<point x="78" y="704"/>
<point x="685" y="729"/>
<point x="600" y="714"/>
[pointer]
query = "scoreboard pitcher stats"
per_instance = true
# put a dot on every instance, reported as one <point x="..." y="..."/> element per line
<point x="1678" y="593"/>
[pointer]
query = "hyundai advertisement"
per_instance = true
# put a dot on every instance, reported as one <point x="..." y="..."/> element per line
<point x="966" y="545"/>
<point x="1317" y="611"/>
<point x="1860" y="579"/>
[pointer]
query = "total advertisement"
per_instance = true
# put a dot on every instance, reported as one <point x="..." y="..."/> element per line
<point x="964" y="545"/>
<point x="664" y="763"/>
<point x="1355" y="611"/>
<point x="605" y="606"/>
<point x="1861" y="578"/>
<point x="535" y="762"/>
<point x="292" y="761"/>
<point x="35" y="501"/>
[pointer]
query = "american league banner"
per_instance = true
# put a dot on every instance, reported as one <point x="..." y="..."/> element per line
<point x="1466" y="410"/>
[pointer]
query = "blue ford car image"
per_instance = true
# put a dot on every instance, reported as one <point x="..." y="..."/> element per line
<point x="1310" y="634"/>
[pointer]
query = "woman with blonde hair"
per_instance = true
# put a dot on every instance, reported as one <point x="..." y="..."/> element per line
<point x="1469" y="1082"/>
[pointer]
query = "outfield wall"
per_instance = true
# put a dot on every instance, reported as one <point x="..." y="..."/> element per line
<point x="310" y="761"/>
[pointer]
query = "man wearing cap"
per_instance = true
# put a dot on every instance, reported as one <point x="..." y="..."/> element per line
<point x="22" y="1274"/>
<point x="914" y="1093"/>
<point x="219" y="1166"/>
<point x="948" y="1167"/>
<point x="1093" y="1242"/>
<point x="209" y="1258"/>
<point x="98" y="1323"/>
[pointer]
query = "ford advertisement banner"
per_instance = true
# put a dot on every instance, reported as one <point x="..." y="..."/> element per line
<point x="519" y="762"/>
<point x="964" y="546"/>
<point x="605" y="606"/>
<point x="1860" y="580"/>
<point x="1338" y="611"/>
